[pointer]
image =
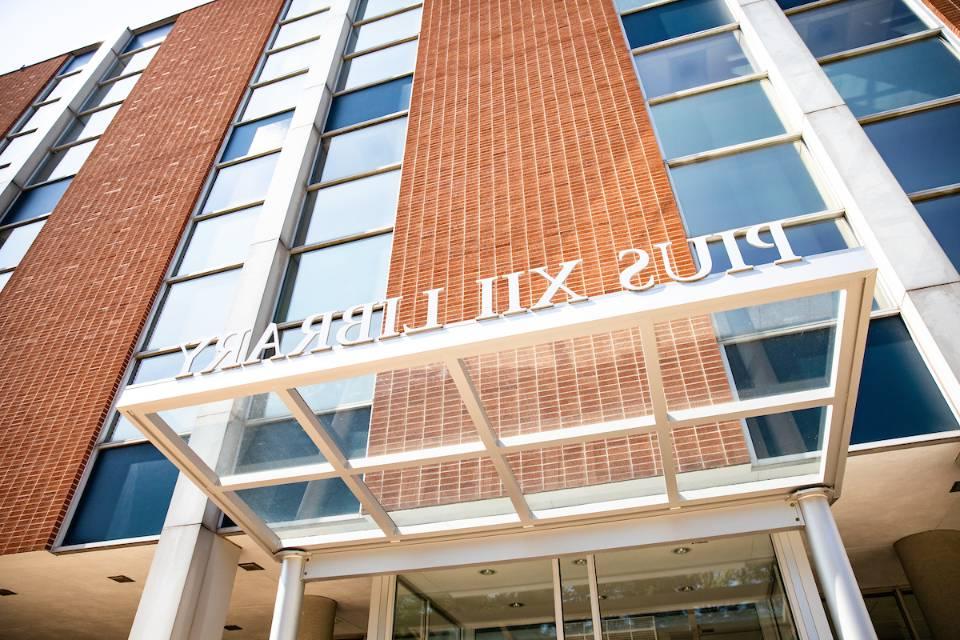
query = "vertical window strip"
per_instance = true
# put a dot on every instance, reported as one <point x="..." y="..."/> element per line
<point x="722" y="118"/>
<point x="19" y="227"/>
<point x="206" y="271"/>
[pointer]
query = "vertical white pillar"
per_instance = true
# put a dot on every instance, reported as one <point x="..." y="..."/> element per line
<point x="847" y="609"/>
<point x="286" y="610"/>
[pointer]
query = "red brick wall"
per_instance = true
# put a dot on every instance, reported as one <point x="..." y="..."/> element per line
<point x="20" y="88"/>
<point x="948" y="11"/>
<point x="71" y="314"/>
<point x="528" y="145"/>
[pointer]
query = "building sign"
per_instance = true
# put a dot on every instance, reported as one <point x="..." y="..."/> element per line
<point x="354" y="325"/>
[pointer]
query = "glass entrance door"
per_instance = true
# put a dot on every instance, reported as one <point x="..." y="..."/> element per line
<point x="727" y="589"/>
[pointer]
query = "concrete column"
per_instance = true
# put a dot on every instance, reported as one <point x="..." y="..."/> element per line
<point x="847" y="609"/>
<point x="188" y="588"/>
<point x="931" y="561"/>
<point x="286" y="609"/>
<point x="317" y="618"/>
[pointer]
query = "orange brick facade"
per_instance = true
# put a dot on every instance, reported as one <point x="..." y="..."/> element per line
<point x="529" y="145"/>
<point x="18" y="89"/>
<point x="71" y="314"/>
<point x="948" y="11"/>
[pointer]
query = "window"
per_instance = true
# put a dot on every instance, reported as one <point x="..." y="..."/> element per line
<point x="374" y="34"/>
<point x="149" y="38"/>
<point x="942" y="215"/>
<point x="36" y="202"/>
<point x="39" y="117"/>
<point x="301" y="29"/>
<point x="14" y="242"/>
<point x="370" y="103"/>
<point x="913" y="406"/>
<point x="379" y="65"/>
<point x="289" y="60"/>
<point x="715" y="119"/>
<point x="300" y="7"/>
<point x="76" y="63"/>
<point x="673" y="20"/>
<point x="194" y="309"/>
<point x="350" y="208"/>
<point x="240" y="184"/>
<point x="691" y="64"/>
<point x="90" y="126"/>
<point x="336" y="277"/>
<point x="896" y="77"/>
<point x="64" y="163"/>
<point x="133" y="63"/>
<point x="744" y="189"/>
<point x="219" y="241"/>
<point x="126" y="496"/>
<point x="854" y="23"/>
<point x="113" y="91"/>
<point x="257" y="136"/>
<point x="363" y="150"/>
<point x="270" y="98"/>
<point x="373" y="8"/>
<point x="921" y="149"/>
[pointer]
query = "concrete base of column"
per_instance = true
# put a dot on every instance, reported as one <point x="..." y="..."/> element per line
<point x="187" y="592"/>
<point x="317" y="618"/>
<point x="931" y="561"/>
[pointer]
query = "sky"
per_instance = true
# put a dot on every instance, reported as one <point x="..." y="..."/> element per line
<point x="34" y="30"/>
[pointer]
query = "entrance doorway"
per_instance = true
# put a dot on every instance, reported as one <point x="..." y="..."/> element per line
<point x="728" y="588"/>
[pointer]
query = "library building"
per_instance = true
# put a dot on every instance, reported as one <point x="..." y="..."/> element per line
<point x="485" y="320"/>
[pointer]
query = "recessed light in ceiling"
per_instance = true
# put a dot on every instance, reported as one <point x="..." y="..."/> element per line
<point x="250" y="566"/>
<point x="121" y="579"/>
<point x="686" y="588"/>
<point x="516" y="605"/>
<point x="487" y="572"/>
<point x="682" y="551"/>
<point x="232" y="627"/>
<point x="580" y="562"/>
<point x="7" y="592"/>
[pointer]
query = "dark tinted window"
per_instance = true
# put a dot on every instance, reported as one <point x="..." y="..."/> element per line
<point x="372" y="102"/>
<point x="674" y="20"/>
<point x="36" y="202"/>
<point x="126" y="497"/>
<point x="942" y="215"/>
<point x="898" y="395"/>
<point x="854" y="23"/>
<point x="785" y="434"/>
<point x="922" y="149"/>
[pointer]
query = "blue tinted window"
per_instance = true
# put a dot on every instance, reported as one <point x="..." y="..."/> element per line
<point x="740" y="190"/>
<point x="301" y="501"/>
<point x="76" y="62"/>
<point x="784" y="364"/>
<point x="785" y="434"/>
<point x="922" y="149"/>
<point x="942" y="215"/>
<point x="257" y="136"/>
<point x="790" y="4"/>
<point x="147" y="38"/>
<point x="896" y="77"/>
<point x="372" y="102"/>
<point x="673" y="20"/>
<point x="898" y="396"/>
<point x="126" y="497"/>
<point x="36" y="202"/>
<point x="854" y="23"/>
<point x="691" y="64"/>
<point x="715" y="119"/>
<point x="806" y="240"/>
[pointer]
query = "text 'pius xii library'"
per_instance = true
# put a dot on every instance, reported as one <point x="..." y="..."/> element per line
<point x="485" y="320"/>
